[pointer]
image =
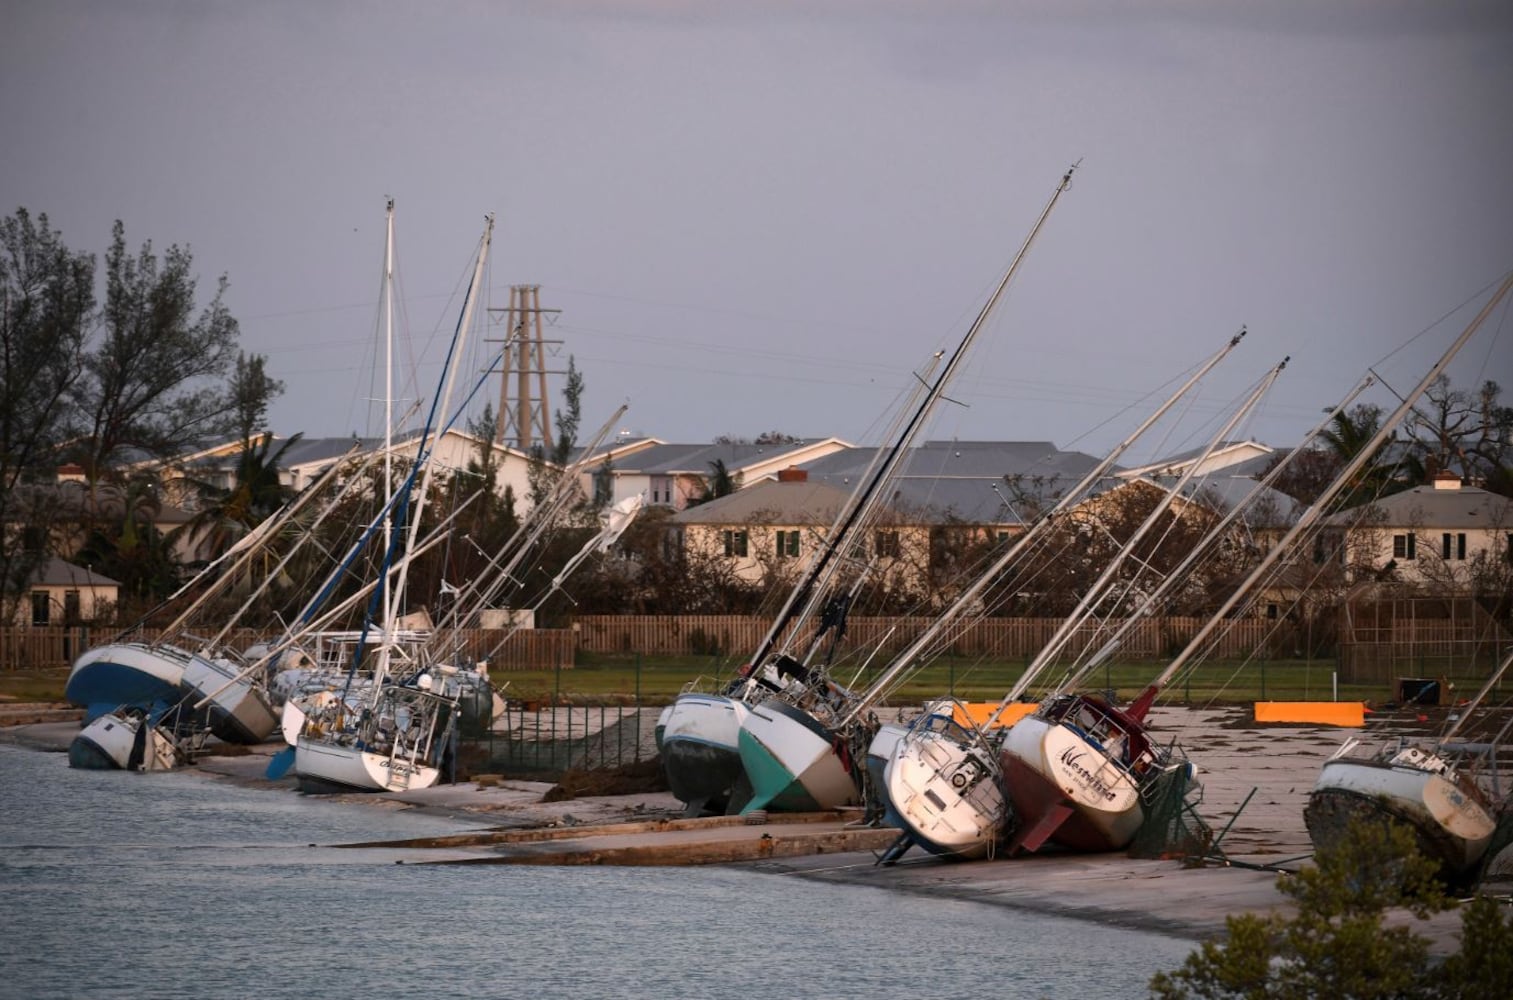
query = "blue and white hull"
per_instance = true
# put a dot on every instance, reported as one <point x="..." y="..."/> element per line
<point x="126" y="673"/>
<point x="123" y="741"/>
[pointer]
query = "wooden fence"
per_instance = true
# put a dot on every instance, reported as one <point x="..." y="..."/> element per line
<point x="41" y="648"/>
<point x="1388" y="640"/>
<point x="1003" y="638"/>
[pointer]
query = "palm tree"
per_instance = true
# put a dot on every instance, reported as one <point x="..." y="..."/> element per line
<point x="255" y="494"/>
<point x="123" y="541"/>
<point x="1348" y="434"/>
<point x="719" y="483"/>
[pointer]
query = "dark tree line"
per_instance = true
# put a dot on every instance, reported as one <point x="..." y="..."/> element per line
<point x="144" y="371"/>
<point x="1465" y="431"/>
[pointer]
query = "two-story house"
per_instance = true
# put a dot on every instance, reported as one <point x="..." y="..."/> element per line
<point x="1437" y="536"/>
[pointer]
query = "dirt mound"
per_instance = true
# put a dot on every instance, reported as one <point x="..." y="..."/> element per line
<point x="627" y="779"/>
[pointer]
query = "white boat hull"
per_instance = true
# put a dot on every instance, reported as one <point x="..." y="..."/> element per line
<point x="946" y="794"/>
<point x="239" y="709"/>
<point x="1451" y="826"/>
<point x="792" y="761"/>
<point x="1055" y="776"/>
<point x="322" y="766"/>
<point x="118" y="742"/>
<point x="701" y="754"/>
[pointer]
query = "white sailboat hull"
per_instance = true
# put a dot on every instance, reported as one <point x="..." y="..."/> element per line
<point x="946" y="795"/>
<point x="701" y="754"/>
<point x="116" y="742"/>
<point x="239" y="709"/>
<point x="792" y="761"/>
<point x="1451" y="826"/>
<point x="323" y="766"/>
<point x="1051" y="771"/>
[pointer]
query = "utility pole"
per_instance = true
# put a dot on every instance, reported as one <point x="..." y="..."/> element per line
<point x="522" y="420"/>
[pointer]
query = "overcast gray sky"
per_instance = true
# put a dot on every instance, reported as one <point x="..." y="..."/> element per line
<point x="763" y="216"/>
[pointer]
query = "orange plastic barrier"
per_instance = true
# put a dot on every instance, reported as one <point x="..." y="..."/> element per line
<point x="1327" y="713"/>
<point x="979" y="711"/>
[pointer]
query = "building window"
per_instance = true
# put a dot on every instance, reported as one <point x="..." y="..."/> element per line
<point x="41" y="608"/>
<point x="735" y="543"/>
<point x="788" y="544"/>
<point x="672" y="545"/>
<point x="1453" y="546"/>
<point x="1403" y="547"/>
<point x="71" y="607"/>
<point x="887" y="545"/>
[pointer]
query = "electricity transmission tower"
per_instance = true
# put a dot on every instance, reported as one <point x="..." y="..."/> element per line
<point x="522" y="421"/>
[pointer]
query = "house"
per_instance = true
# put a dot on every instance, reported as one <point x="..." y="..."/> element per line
<point x="64" y="510"/>
<point x="948" y="497"/>
<point x="677" y="475"/>
<point x="1235" y="459"/>
<point x="303" y="461"/>
<point x="998" y="486"/>
<point x="65" y="594"/>
<point x="1440" y="535"/>
<point x="761" y="526"/>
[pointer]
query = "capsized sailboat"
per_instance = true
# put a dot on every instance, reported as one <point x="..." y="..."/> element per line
<point x="134" y="738"/>
<point x="1427" y="785"/>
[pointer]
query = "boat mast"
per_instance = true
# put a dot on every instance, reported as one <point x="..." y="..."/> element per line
<point x="1147" y="697"/>
<point x="388" y="308"/>
<point x="1217" y="531"/>
<point x="1074" y="495"/>
<point x="900" y="446"/>
<point x="1100" y="586"/>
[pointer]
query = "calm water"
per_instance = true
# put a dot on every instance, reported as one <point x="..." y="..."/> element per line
<point x="179" y="885"/>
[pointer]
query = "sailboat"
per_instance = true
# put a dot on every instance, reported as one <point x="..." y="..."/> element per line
<point x="701" y="731"/>
<point x="181" y="668"/>
<point x="967" y="819"/>
<point x="797" y="751"/>
<point x="403" y="737"/>
<point x="1080" y="770"/>
<point x="134" y="738"/>
<point x="1423" y="785"/>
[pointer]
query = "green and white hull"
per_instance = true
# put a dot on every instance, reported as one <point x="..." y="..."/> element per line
<point x="792" y="762"/>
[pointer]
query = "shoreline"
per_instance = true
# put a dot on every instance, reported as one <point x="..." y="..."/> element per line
<point x="1255" y="778"/>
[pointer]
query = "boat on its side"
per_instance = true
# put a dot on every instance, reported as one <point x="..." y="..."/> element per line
<point x="795" y="763"/>
<point x="1450" y="815"/>
<point x="701" y="754"/>
<point x="1073" y="771"/>
<point x="124" y="740"/>
<point x="126" y="673"/>
<point x="239" y="706"/>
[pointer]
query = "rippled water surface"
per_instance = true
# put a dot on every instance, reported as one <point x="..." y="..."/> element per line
<point x="181" y="885"/>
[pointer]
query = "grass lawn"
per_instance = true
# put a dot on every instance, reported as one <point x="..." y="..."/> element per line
<point x="628" y="678"/>
<point x="660" y="679"/>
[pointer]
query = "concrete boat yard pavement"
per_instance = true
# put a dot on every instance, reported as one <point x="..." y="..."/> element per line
<point x="1256" y="780"/>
